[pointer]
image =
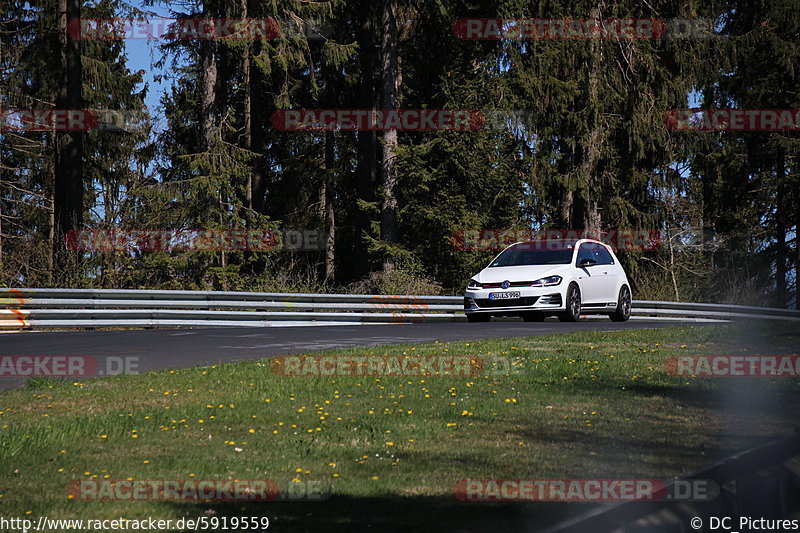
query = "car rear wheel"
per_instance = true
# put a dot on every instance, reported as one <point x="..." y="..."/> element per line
<point x="479" y="317"/>
<point x="573" y="312"/>
<point x="533" y="317"/>
<point x="623" y="312"/>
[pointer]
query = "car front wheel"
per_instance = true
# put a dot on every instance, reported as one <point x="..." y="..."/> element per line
<point x="623" y="312"/>
<point x="573" y="312"/>
<point x="478" y="317"/>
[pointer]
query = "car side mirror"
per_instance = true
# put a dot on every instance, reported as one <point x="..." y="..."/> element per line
<point x="586" y="262"/>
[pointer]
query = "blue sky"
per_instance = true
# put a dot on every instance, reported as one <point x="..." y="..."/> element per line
<point x="142" y="54"/>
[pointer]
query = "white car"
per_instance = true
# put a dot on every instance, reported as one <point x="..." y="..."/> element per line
<point x="536" y="279"/>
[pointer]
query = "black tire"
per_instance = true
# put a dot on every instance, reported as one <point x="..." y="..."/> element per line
<point x="478" y="317"/>
<point x="533" y="316"/>
<point x="623" y="311"/>
<point x="573" y="301"/>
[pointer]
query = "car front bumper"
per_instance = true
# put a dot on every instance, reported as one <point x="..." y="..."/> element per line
<point x="544" y="299"/>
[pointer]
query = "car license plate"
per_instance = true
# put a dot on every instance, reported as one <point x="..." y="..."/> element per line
<point x="503" y="295"/>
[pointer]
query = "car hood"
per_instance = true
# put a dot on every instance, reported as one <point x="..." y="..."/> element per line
<point x="518" y="273"/>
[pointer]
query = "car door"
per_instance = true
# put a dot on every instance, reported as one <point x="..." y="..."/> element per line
<point x="609" y="271"/>
<point x="591" y="278"/>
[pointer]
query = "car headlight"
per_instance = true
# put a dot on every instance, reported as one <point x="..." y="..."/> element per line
<point x="474" y="284"/>
<point x="547" y="282"/>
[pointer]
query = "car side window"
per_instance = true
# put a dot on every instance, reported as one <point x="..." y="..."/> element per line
<point x="603" y="257"/>
<point x="585" y="252"/>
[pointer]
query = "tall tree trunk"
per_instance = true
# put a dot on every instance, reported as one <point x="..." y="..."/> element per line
<point x="587" y="214"/>
<point x="247" y="140"/>
<point x="330" y="212"/>
<point x="797" y="250"/>
<point x="367" y="141"/>
<point x="389" y="87"/>
<point x="781" y="255"/>
<point x="51" y="234"/>
<point x="68" y="189"/>
<point x="709" y="212"/>
<point x="565" y="212"/>
<point x="2" y="87"/>
<point x="208" y="103"/>
<point x="208" y="91"/>
<point x="797" y="237"/>
<point x="1" y="218"/>
<point x="566" y="192"/>
<point x="258" y="102"/>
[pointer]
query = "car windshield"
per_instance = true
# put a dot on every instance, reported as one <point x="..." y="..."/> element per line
<point x="520" y="257"/>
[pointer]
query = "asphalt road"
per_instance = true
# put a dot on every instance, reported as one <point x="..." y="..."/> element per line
<point x="160" y="349"/>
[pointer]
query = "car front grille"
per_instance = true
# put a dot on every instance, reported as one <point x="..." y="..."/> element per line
<point x="511" y="284"/>
<point x="515" y="302"/>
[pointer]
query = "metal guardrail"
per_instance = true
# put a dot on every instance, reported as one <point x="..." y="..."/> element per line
<point x="111" y="308"/>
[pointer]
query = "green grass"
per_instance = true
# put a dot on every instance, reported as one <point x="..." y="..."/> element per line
<point x="586" y="404"/>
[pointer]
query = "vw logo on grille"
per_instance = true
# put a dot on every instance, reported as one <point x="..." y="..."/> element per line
<point x="506" y="284"/>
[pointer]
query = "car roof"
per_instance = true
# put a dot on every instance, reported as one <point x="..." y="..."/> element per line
<point x="553" y="244"/>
